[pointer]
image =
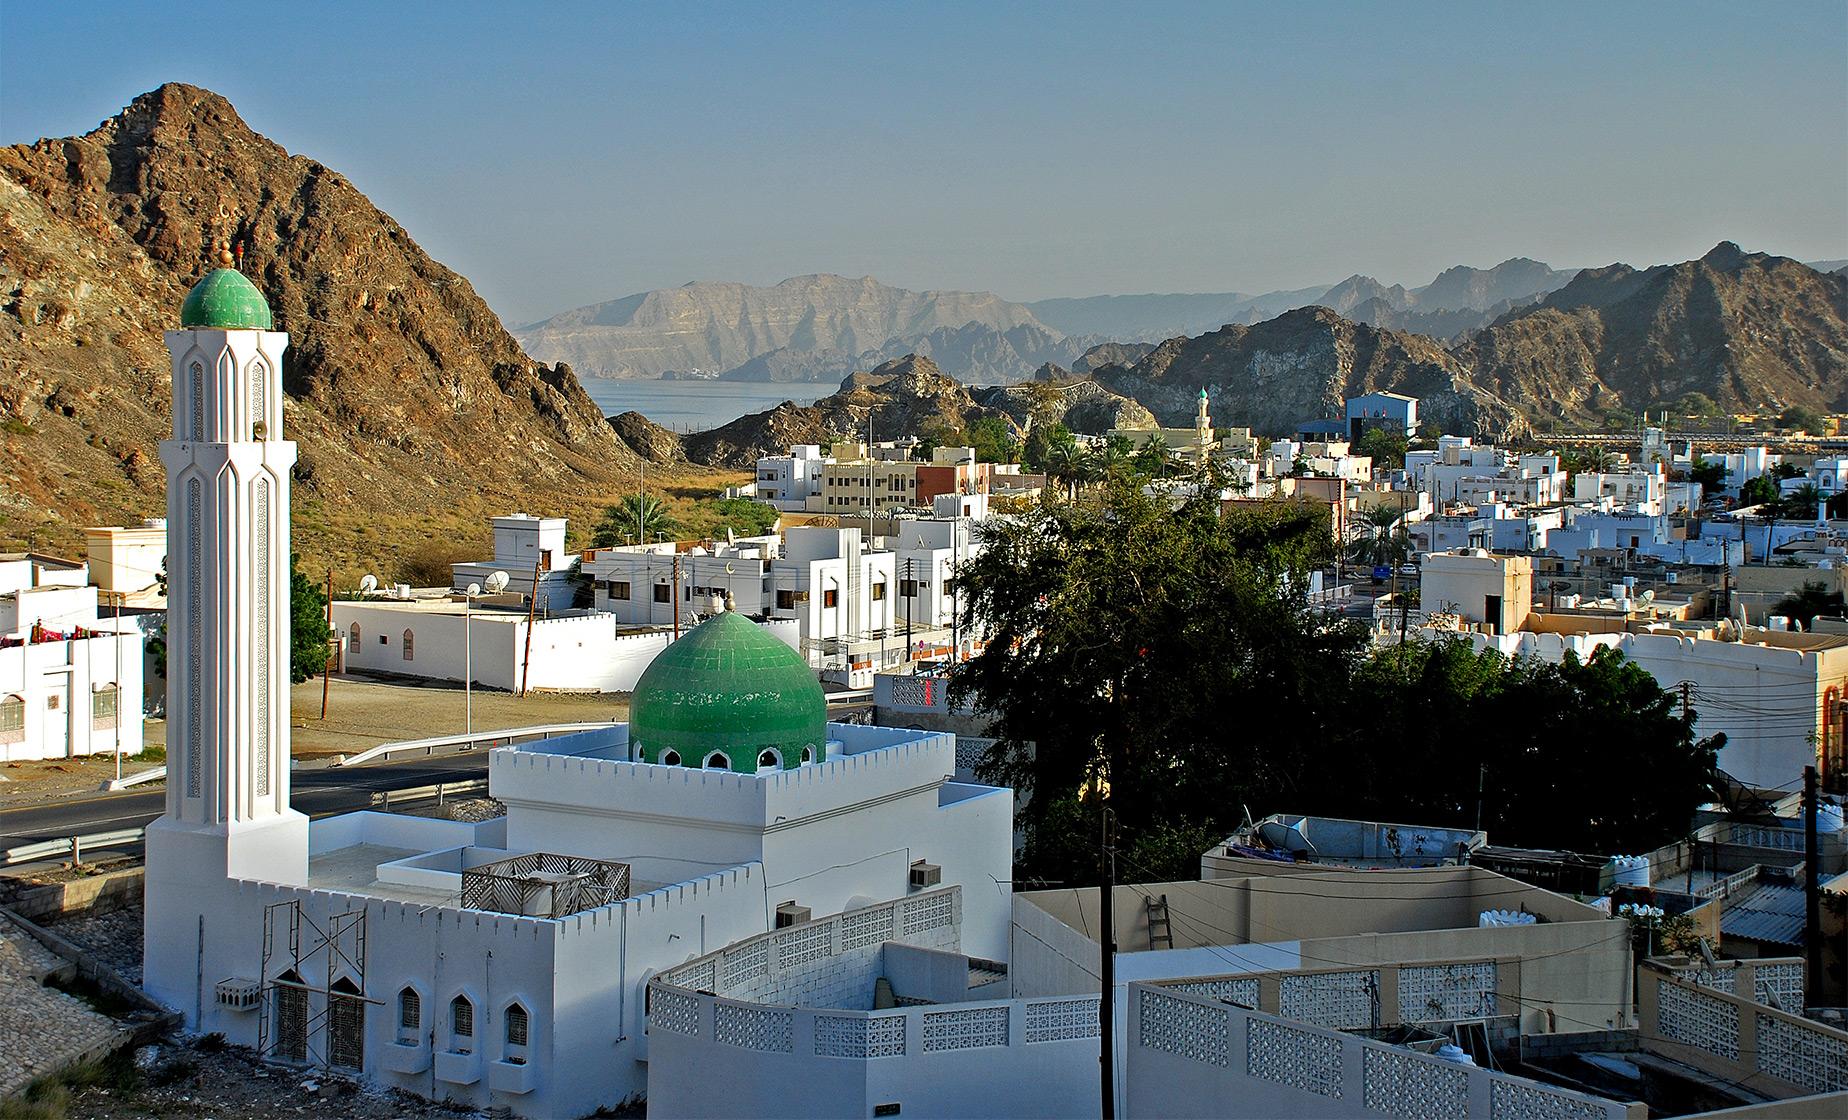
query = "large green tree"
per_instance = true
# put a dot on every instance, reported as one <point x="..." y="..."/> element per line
<point x="636" y="518"/>
<point x="1168" y="660"/>
<point x="308" y="632"/>
<point x="1121" y="634"/>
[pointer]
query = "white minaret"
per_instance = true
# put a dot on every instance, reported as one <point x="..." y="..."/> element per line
<point x="1203" y="425"/>
<point x="228" y="812"/>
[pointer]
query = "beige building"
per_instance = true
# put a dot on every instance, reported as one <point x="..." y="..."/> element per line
<point x="1493" y="592"/>
<point x="127" y="561"/>
<point x="844" y="485"/>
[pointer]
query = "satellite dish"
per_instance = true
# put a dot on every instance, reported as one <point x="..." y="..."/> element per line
<point x="368" y="584"/>
<point x="497" y="583"/>
<point x="473" y="590"/>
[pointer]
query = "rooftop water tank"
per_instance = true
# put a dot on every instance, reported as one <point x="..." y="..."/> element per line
<point x="1629" y="871"/>
<point x="1492" y="918"/>
<point x="1829" y="818"/>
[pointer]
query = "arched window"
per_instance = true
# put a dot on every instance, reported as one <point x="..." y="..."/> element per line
<point x="517" y="1024"/>
<point x="717" y="761"/>
<point x="768" y="761"/>
<point x="291" y="1004"/>
<point x="410" y="1009"/>
<point x="346" y="1013"/>
<point x="353" y="636"/>
<point x="461" y="1023"/>
<point x="670" y="758"/>
<point x="808" y="755"/>
<point x="410" y="645"/>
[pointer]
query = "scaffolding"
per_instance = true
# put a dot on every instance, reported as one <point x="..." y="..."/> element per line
<point x="329" y="961"/>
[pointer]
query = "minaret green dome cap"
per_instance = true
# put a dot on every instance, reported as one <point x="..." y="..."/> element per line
<point x="226" y="300"/>
<point x="729" y="687"/>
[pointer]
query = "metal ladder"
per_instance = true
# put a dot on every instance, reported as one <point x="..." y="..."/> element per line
<point x="1160" y="931"/>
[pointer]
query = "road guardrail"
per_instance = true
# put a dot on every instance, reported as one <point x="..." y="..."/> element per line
<point x="72" y="846"/>
<point x="467" y="742"/>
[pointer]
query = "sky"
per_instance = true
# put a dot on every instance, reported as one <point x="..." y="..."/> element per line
<point x="564" y="154"/>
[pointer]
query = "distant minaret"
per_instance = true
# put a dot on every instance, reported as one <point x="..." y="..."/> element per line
<point x="1203" y="425"/>
<point x="227" y="598"/>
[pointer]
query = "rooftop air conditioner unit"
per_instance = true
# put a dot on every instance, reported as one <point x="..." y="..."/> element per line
<point x="789" y="914"/>
<point x="925" y="875"/>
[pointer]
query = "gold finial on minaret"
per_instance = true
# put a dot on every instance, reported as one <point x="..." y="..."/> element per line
<point x="225" y="259"/>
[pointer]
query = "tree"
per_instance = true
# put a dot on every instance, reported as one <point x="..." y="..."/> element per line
<point x="743" y="516"/>
<point x="1384" y="445"/>
<point x="993" y="440"/>
<point x="1757" y="491"/>
<point x="1152" y="459"/>
<point x="1802" y="418"/>
<point x="1120" y="631"/>
<point x="1838" y="505"/>
<point x="1710" y="473"/>
<point x="634" y="520"/>
<point x="1383" y="541"/>
<point x="1812" y="600"/>
<point x="1063" y="461"/>
<point x="1802" y="503"/>
<point x="1783" y="471"/>
<point x="1698" y="404"/>
<point x="308" y="632"/>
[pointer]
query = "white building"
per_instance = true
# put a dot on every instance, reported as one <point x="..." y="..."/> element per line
<point x="503" y="964"/>
<point x="70" y="680"/>
<point x="636" y="583"/>
<point x="529" y="551"/>
<point x="449" y="639"/>
<point x="792" y="482"/>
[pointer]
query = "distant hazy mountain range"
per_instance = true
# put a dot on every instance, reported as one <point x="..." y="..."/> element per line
<point x="820" y="328"/>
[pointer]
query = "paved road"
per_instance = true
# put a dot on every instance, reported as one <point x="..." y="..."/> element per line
<point x="314" y="792"/>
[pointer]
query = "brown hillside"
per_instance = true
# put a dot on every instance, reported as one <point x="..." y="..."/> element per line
<point x="415" y="411"/>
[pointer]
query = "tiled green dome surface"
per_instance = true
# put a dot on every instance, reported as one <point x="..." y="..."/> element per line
<point x="225" y="300"/>
<point x="729" y="686"/>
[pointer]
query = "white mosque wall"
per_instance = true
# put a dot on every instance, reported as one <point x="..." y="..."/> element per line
<point x="831" y="835"/>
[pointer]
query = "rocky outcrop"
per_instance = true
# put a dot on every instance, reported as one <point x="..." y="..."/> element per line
<point x="403" y="390"/>
<point x="648" y="439"/>
<point x="1754" y="332"/>
<point x="1111" y="354"/>
<point x="1081" y="405"/>
<point x="1303" y="365"/>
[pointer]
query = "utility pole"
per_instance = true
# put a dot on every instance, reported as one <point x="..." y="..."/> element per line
<point x="328" y="663"/>
<point x="1812" y="894"/>
<point x="115" y="597"/>
<point x="913" y="585"/>
<point x="1482" y="781"/>
<point x="641" y="506"/>
<point x="532" y="610"/>
<point x="1106" y="1012"/>
<point x="674" y="593"/>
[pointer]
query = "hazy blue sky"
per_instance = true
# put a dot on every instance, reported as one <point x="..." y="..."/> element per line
<point x="560" y="154"/>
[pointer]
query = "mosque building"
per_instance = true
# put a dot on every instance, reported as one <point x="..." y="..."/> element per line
<point x="507" y="963"/>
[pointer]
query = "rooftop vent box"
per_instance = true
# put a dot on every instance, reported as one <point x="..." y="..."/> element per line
<point x="789" y="914"/>
<point x="925" y="875"/>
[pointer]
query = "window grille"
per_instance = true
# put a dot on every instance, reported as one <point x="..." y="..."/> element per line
<point x="516" y="1025"/>
<point x="410" y="645"/>
<point x="410" y="1009"/>
<point x="461" y="1017"/>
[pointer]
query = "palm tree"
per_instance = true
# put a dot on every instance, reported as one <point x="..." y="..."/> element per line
<point x="1065" y="463"/>
<point x="633" y="520"/>
<point x="1801" y="504"/>
<point x="1383" y="540"/>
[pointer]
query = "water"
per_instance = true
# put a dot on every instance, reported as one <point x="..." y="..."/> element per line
<point x="694" y="406"/>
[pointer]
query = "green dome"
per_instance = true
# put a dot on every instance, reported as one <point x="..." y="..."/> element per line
<point x="226" y="300"/>
<point x="728" y="687"/>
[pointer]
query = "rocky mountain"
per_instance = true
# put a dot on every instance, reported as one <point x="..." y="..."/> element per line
<point x="721" y="326"/>
<point x="1461" y="298"/>
<point x="1111" y="354"/>
<point x="405" y="394"/>
<point x="974" y="353"/>
<point x="1750" y="330"/>
<point x="1303" y="365"/>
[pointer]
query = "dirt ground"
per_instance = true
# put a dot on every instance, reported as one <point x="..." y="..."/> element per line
<point x="361" y="713"/>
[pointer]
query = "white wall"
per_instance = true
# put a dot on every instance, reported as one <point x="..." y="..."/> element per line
<point x="51" y="688"/>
